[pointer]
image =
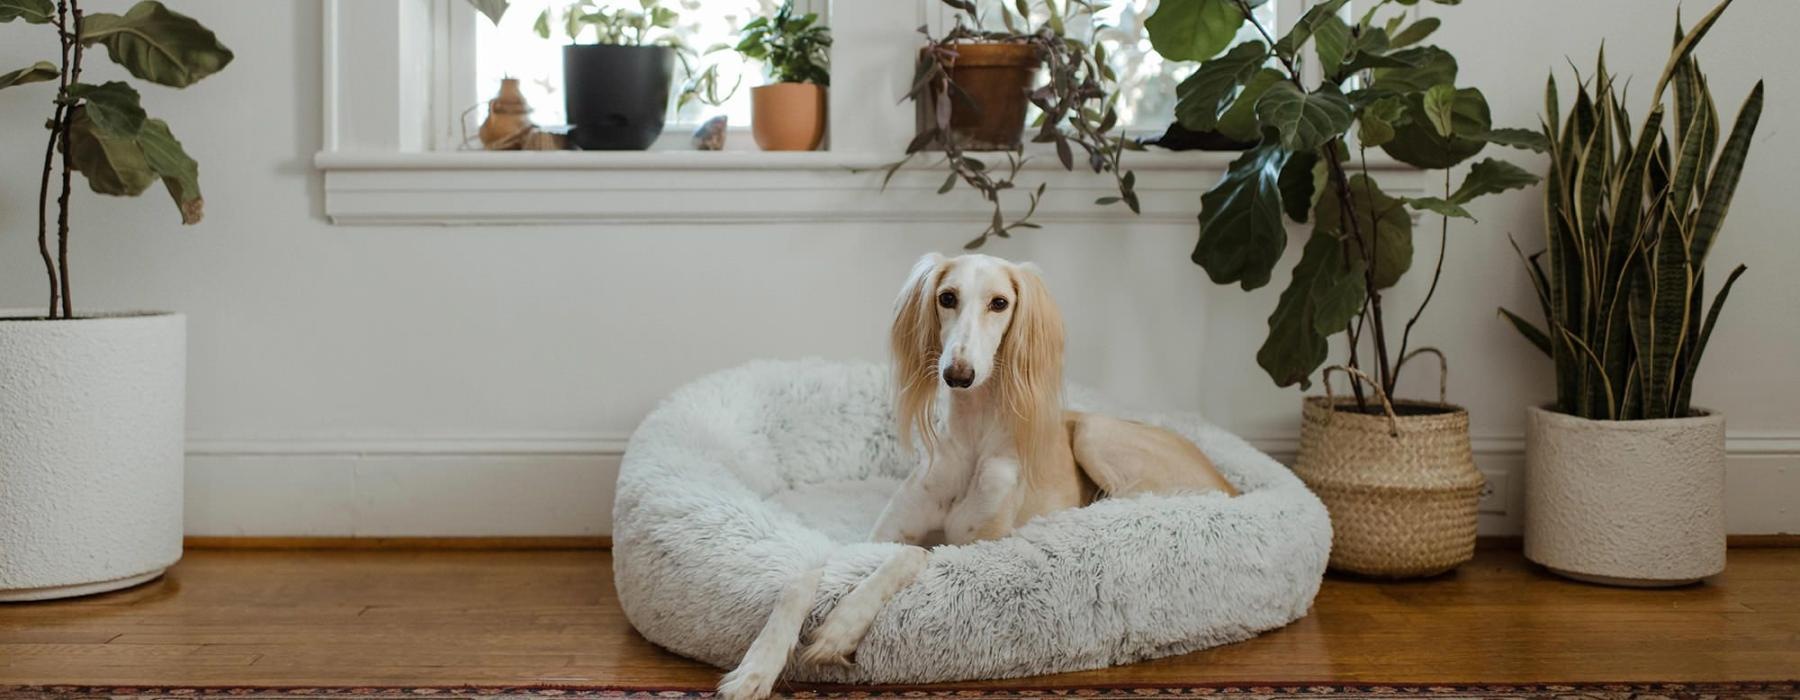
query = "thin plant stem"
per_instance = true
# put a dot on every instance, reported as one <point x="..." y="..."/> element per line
<point x="72" y="36"/>
<point x="1443" y="242"/>
<point x="56" y="123"/>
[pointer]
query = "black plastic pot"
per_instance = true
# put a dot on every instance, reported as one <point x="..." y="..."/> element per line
<point x="617" y="96"/>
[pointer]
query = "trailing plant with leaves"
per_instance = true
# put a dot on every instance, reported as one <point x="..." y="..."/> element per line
<point x="100" y="130"/>
<point x="650" y="24"/>
<point x="1628" y="225"/>
<point x="1078" y="104"/>
<point x="1381" y="84"/>
<point x="796" y="49"/>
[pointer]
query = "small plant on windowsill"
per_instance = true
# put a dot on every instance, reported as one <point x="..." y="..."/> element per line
<point x="973" y="86"/>
<point x="789" y="113"/>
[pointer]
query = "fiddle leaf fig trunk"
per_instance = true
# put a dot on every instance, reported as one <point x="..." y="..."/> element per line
<point x="101" y="130"/>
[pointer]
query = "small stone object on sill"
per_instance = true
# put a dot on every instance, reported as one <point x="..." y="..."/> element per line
<point x="508" y="128"/>
<point x="711" y="135"/>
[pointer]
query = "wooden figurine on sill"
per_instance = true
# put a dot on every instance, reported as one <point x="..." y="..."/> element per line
<point x="507" y="128"/>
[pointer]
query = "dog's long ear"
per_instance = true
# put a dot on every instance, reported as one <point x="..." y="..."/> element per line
<point x="1031" y="354"/>
<point x="915" y="345"/>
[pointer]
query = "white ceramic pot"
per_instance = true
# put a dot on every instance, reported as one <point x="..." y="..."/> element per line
<point x="1627" y="503"/>
<point x="92" y="415"/>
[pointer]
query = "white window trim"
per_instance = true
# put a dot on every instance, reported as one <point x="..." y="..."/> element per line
<point x="388" y="93"/>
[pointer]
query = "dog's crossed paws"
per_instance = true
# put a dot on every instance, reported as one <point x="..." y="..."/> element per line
<point x="746" y="684"/>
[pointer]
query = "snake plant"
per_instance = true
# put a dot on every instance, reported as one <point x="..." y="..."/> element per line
<point x="1628" y="225"/>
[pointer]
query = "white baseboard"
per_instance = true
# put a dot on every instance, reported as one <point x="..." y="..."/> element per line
<point x="562" y="485"/>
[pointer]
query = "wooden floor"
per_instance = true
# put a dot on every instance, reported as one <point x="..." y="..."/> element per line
<point x="455" y="617"/>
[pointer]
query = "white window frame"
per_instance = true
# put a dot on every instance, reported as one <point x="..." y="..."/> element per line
<point x="390" y="91"/>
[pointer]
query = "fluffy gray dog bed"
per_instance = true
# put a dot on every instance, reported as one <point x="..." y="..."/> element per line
<point x="742" y="480"/>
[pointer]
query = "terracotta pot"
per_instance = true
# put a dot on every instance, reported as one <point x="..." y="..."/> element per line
<point x="1626" y="503"/>
<point x="998" y="78"/>
<point x="788" y="116"/>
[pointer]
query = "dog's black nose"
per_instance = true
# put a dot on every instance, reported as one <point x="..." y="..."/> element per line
<point x="959" y="376"/>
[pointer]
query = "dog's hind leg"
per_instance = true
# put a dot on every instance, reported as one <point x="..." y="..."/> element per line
<point x="768" y="655"/>
<point x="836" y="639"/>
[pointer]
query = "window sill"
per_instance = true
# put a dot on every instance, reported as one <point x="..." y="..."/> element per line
<point x="676" y="187"/>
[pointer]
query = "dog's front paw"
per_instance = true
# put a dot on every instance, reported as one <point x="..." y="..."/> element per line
<point x="745" y="683"/>
<point x="818" y="654"/>
<point x="834" y="643"/>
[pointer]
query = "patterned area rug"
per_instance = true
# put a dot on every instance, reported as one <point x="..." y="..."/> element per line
<point x="1586" y="691"/>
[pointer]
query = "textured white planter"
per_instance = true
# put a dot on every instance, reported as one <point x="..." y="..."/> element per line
<point x="91" y="452"/>
<point x="1628" y="503"/>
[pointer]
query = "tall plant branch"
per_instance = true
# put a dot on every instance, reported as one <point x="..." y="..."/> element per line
<point x="1436" y="273"/>
<point x="71" y="36"/>
<point x="56" y="130"/>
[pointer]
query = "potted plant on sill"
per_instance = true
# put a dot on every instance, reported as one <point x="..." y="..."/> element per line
<point x="1624" y="477"/>
<point x="973" y="87"/>
<point x="616" y="90"/>
<point x="1397" y="476"/>
<point x="789" y="113"/>
<point x="92" y="452"/>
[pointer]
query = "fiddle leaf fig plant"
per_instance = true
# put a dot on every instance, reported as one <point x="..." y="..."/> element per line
<point x="99" y="129"/>
<point x="1381" y="88"/>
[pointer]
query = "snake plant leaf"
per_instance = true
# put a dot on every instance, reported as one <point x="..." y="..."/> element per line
<point x="113" y="106"/>
<point x="1526" y="139"/>
<point x="1723" y="183"/>
<point x="1305" y="121"/>
<point x="179" y="173"/>
<point x="1684" y="47"/>
<point x="32" y="11"/>
<point x="1492" y="176"/>
<point x="492" y="9"/>
<point x="1384" y="223"/>
<point x="1203" y="97"/>
<point x="1193" y="30"/>
<point x="112" y="165"/>
<point x="1686" y="390"/>
<point x="1241" y="235"/>
<point x="1298" y="185"/>
<point x="1321" y="299"/>
<point x="34" y="73"/>
<point x="1417" y="142"/>
<point x="157" y="44"/>
<point x="1439" y="205"/>
<point x="1537" y="336"/>
<point x="1239" y="120"/>
<point x="1414" y="33"/>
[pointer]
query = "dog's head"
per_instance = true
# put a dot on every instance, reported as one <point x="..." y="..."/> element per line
<point x="975" y="322"/>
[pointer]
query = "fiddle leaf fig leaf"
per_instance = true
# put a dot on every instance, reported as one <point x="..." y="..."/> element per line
<point x="1439" y="205"/>
<point x="1239" y="120"/>
<point x="1378" y="214"/>
<point x="34" y="73"/>
<point x="1202" y="97"/>
<point x="1422" y="67"/>
<point x="1440" y="103"/>
<point x="492" y="9"/>
<point x="1376" y="125"/>
<point x="1324" y="295"/>
<point x="1492" y="176"/>
<point x="113" y="106"/>
<point x="32" y="11"/>
<point x="1305" y="120"/>
<point x="180" y="174"/>
<point x="113" y="165"/>
<point x="1331" y="40"/>
<point x="1419" y="143"/>
<point x="1298" y="187"/>
<point x="1518" y="138"/>
<point x="1193" y="30"/>
<point x="157" y="44"/>
<point x="1241" y="235"/>
<point x="1414" y="33"/>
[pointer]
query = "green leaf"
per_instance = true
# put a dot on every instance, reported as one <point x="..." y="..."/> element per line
<point x="1439" y="104"/>
<point x="113" y="106"/>
<point x="1492" y="176"/>
<point x="1297" y="185"/>
<point x="493" y="9"/>
<point x="1239" y="120"/>
<point x="1414" y="33"/>
<point x="1720" y="187"/>
<point x="1377" y="122"/>
<point x="1241" y="235"/>
<point x="1438" y="205"/>
<point x="1426" y="66"/>
<point x="1289" y="45"/>
<point x="1305" y="121"/>
<point x="1201" y="98"/>
<point x="1331" y="40"/>
<point x="1193" y="30"/>
<point x="157" y="44"/>
<point x="34" y="73"/>
<point x="1324" y="295"/>
<point x="1375" y="212"/>
<point x="1418" y="143"/>
<point x="32" y="11"/>
<point x="1686" y="389"/>
<point x="1518" y="138"/>
<point x="180" y="174"/>
<point x="542" y="26"/>
<point x="1530" y="330"/>
<point x="112" y="165"/>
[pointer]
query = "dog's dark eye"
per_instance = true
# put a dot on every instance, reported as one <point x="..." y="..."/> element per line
<point x="998" y="304"/>
<point x="947" y="300"/>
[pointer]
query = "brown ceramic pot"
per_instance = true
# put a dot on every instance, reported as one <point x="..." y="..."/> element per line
<point x="788" y="116"/>
<point x="998" y="78"/>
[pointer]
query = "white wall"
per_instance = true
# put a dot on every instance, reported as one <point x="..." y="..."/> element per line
<point x="480" y="380"/>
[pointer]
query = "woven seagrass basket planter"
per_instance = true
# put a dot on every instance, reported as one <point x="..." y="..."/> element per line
<point x="1401" y="485"/>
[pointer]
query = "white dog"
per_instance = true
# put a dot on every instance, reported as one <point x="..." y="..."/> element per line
<point x="985" y="333"/>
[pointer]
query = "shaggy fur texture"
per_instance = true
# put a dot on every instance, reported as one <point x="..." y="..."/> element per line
<point x="744" y="479"/>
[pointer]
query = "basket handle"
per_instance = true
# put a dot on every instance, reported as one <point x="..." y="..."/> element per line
<point x="1443" y="371"/>
<point x="1356" y="375"/>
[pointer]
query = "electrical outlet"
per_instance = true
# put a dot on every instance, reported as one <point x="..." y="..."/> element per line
<point x="1496" y="495"/>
